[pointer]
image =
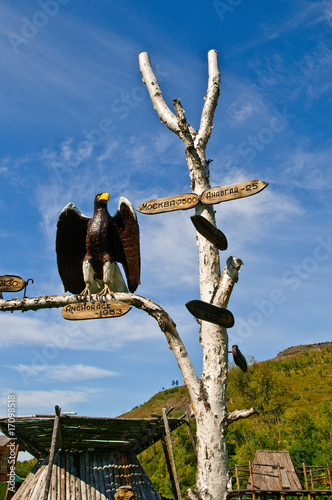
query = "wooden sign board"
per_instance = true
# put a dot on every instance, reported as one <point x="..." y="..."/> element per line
<point x="95" y="310"/>
<point x="160" y="205"/>
<point x="232" y="192"/>
<point x="12" y="283"/>
<point x="210" y="232"/>
<point x="208" y="312"/>
<point x="239" y="359"/>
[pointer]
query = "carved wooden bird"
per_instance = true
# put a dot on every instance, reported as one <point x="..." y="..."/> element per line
<point x="88" y="248"/>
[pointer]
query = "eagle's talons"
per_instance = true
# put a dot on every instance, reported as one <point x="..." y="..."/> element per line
<point x="86" y="293"/>
<point x="106" y="291"/>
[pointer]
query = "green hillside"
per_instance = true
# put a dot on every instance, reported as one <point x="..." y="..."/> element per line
<point x="293" y="394"/>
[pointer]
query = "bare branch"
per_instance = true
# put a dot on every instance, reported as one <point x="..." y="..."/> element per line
<point x="229" y="277"/>
<point x="165" y="322"/>
<point x="157" y="98"/>
<point x="238" y="414"/>
<point x="211" y="100"/>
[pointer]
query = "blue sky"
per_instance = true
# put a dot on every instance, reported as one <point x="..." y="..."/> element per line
<point x="76" y="119"/>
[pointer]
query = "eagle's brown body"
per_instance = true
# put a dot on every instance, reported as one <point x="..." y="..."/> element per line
<point x="89" y="248"/>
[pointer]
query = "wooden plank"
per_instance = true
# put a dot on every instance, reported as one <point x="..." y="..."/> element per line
<point x="169" y="467"/>
<point x="306" y="480"/>
<point x="239" y="359"/>
<point x="63" y="475"/>
<point x="232" y="191"/>
<point x="52" y="451"/>
<point x="329" y="475"/>
<point x="280" y="482"/>
<point x="95" y="310"/>
<point x="169" y="204"/>
<point x="252" y="481"/>
<point x="210" y="232"/>
<point x="11" y="283"/>
<point x="208" y="312"/>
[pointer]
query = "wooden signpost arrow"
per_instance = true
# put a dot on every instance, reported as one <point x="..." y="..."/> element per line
<point x="208" y="312"/>
<point x="169" y="204"/>
<point x="239" y="359"/>
<point x="208" y="197"/>
<point x="95" y="310"/>
<point x="11" y="283"/>
<point x="210" y="232"/>
<point x="232" y="192"/>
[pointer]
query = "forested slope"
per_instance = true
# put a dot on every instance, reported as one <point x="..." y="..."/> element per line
<point x="293" y="395"/>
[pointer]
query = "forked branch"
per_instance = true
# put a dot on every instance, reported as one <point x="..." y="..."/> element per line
<point x="165" y="114"/>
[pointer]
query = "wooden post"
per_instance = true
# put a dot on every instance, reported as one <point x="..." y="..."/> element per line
<point x="311" y="480"/>
<point x="171" y="453"/>
<point x="169" y="468"/>
<point x="280" y="481"/>
<point x="52" y="451"/>
<point x="329" y="475"/>
<point x="237" y="480"/>
<point x="191" y="437"/>
<point x="306" y="480"/>
<point x="252" y="481"/>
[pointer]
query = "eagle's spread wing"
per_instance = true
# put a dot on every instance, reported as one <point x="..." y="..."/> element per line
<point x="125" y="222"/>
<point x="70" y="247"/>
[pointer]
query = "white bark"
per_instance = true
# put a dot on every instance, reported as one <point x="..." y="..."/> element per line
<point x="210" y="401"/>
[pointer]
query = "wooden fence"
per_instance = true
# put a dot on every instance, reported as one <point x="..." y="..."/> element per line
<point x="312" y="481"/>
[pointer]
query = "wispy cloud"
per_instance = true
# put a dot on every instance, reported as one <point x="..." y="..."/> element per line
<point x="61" y="334"/>
<point x="62" y="373"/>
<point x="32" y="402"/>
<point x="309" y="169"/>
<point x="305" y="14"/>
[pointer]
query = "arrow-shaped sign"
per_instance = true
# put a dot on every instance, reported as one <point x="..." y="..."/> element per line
<point x="209" y="197"/>
<point x="210" y="232"/>
<point x="213" y="314"/>
<point x="232" y="192"/>
<point x="95" y="310"/>
<point x="179" y="202"/>
<point x="239" y="359"/>
<point x="11" y="283"/>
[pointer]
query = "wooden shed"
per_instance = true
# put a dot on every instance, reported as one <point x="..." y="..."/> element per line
<point x="271" y="467"/>
<point x="273" y="475"/>
<point x="87" y="458"/>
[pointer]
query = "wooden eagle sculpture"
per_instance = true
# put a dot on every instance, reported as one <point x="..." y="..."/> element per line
<point x="88" y="248"/>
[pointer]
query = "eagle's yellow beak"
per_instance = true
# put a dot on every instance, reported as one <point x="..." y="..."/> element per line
<point x="104" y="197"/>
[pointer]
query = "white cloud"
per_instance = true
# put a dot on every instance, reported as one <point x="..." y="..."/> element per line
<point x="49" y="337"/>
<point x="44" y="401"/>
<point x="245" y="106"/>
<point x="309" y="169"/>
<point x="304" y="15"/>
<point x="62" y="373"/>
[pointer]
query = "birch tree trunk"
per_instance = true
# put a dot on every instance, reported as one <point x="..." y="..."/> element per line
<point x="209" y="401"/>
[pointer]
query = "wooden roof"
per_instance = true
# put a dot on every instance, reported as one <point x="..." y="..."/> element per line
<point x="4" y="440"/>
<point x="77" y="433"/>
<point x="265" y="471"/>
<point x="89" y="475"/>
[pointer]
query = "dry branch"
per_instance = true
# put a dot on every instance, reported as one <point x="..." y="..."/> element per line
<point x="238" y="414"/>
